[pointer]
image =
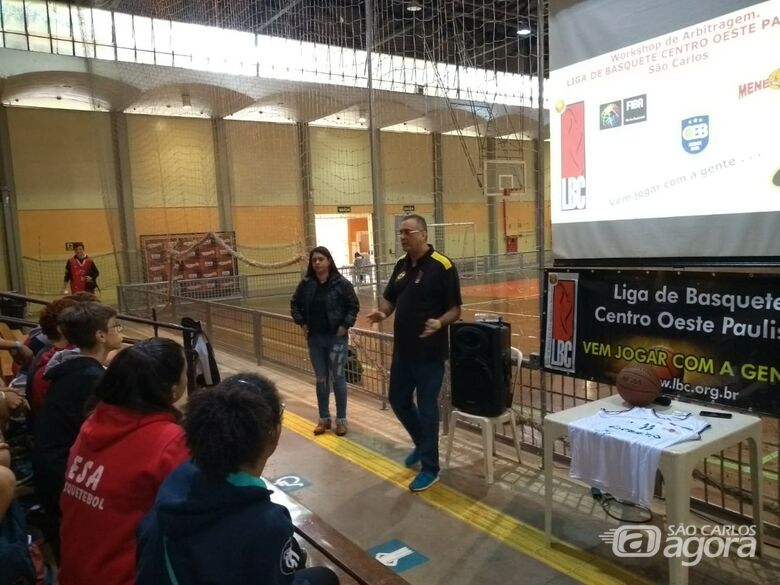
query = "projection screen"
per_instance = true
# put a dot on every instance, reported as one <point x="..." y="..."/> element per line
<point x="665" y="131"/>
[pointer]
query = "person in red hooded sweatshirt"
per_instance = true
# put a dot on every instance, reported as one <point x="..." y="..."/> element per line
<point x="81" y="272"/>
<point x="126" y="448"/>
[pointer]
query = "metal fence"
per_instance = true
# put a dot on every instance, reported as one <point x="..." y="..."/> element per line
<point x="721" y="482"/>
<point x="488" y="268"/>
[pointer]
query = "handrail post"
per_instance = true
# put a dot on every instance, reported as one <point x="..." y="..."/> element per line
<point x="257" y="333"/>
<point x="208" y="320"/>
<point x="385" y="378"/>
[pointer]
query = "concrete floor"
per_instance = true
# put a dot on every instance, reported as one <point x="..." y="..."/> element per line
<point x="468" y="532"/>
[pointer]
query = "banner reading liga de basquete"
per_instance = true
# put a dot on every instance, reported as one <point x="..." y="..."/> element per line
<point x="708" y="336"/>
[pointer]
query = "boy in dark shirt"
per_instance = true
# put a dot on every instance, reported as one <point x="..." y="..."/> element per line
<point x="93" y="329"/>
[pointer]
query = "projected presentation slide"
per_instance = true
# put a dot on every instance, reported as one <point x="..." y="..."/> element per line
<point x="679" y="127"/>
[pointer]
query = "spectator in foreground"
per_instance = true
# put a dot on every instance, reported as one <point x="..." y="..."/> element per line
<point x="94" y="331"/>
<point x="213" y="521"/>
<point x="126" y="448"/>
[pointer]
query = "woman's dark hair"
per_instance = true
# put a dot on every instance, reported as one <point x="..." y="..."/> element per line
<point x="141" y="377"/>
<point x="230" y="425"/>
<point x="332" y="270"/>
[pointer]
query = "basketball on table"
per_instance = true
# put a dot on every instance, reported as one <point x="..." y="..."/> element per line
<point x="638" y="385"/>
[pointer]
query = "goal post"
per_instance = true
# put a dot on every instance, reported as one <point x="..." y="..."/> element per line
<point x="459" y="242"/>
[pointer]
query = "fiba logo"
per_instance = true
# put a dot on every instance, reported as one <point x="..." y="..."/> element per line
<point x="635" y="109"/>
<point x="634" y="541"/>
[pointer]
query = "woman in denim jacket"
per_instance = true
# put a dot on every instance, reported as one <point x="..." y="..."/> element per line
<point x="325" y="306"/>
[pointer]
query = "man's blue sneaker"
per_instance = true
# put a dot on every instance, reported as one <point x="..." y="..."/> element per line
<point x="412" y="458"/>
<point x="423" y="481"/>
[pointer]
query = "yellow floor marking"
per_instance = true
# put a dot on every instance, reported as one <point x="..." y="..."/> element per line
<point x="568" y="559"/>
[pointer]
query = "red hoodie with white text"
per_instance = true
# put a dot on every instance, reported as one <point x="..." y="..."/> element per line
<point x="115" y="468"/>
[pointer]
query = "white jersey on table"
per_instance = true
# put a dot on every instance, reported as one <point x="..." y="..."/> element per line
<point x="619" y="451"/>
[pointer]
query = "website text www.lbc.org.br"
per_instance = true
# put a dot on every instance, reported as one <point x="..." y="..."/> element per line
<point x="699" y="390"/>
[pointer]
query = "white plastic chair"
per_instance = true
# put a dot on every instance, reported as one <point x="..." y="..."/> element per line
<point x="489" y="425"/>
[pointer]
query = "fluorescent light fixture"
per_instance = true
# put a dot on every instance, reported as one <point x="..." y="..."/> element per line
<point x="414" y="6"/>
<point x="523" y="31"/>
<point x="185" y="101"/>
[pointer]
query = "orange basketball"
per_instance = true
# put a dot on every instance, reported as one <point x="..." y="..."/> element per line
<point x="638" y="385"/>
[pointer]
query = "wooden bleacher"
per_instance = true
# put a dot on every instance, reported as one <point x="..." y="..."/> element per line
<point x="351" y="563"/>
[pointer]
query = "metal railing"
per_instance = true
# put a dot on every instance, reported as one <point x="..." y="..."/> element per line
<point x="487" y="268"/>
<point x="156" y="325"/>
<point x="265" y="337"/>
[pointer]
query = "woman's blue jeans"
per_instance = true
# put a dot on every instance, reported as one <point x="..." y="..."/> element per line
<point x="328" y="354"/>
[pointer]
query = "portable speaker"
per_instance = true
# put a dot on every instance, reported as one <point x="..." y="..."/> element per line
<point x="481" y="367"/>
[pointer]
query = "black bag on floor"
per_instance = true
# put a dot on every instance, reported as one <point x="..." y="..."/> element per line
<point x="353" y="369"/>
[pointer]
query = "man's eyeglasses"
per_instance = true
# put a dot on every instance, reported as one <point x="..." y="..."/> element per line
<point x="408" y="232"/>
<point x="117" y="326"/>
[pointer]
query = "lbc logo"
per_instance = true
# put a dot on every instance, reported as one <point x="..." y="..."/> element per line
<point x="572" y="193"/>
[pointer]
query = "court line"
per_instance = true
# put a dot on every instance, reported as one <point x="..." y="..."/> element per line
<point x="570" y="560"/>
